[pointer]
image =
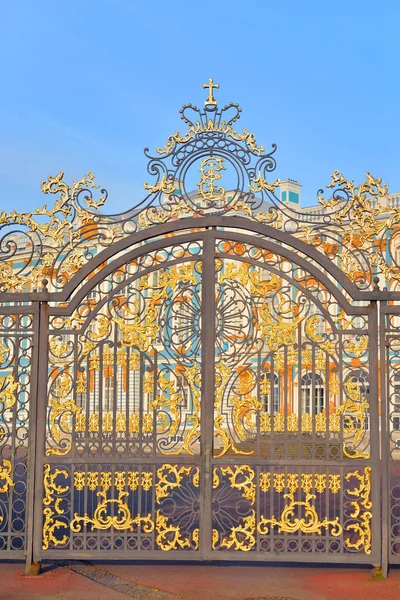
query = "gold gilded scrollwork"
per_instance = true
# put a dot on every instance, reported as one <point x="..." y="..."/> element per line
<point x="122" y="521"/>
<point x="210" y="170"/>
<point x="170" y="403"/>
<point x="358" y="204"/>
<point x="8" y="389"/>
<point x="242" y="478"/>
<point x="297" y="515"/>
<point x="242" y="537"/>
<point x="277" y="331"/>
<point x="51" y="489"/>
<point x="169" y="478"/>
<point x="242" y="407"/>
<point x="215" y="538"/>
<point x="359" y="347"/>
<point x="210" y="126"/>
<point x="139" y="332"/>
<point x="223" y="372"/>
<point x="169" y="536"/>
<point x="60" y="407"/>
<point x="311" y="328"/>
<point x="192" y="375"/>
<point x="119" y="479"/>
<point x="354" y="423"/>
<point x="362" y="511"/>
<point x="164" y="185"/>
<point x="5" y="477"/>
<point x="262" y="184"/>
<point x="195" y="538"/>
<point x="173" y="140"/>
<point x="196" y="477"/>
<point x="309" y="523"/>
<point x="51" y="224"/>
<point x="250" y="277"/>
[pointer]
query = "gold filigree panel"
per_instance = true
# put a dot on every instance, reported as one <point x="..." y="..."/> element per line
<point x="277" y="505"/>
<point x="139" y="503"/>
<point x="132" y="371"/>
<point x="285" y="365"/>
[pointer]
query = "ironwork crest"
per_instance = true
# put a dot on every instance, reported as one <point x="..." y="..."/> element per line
<point x="189" y="172"/>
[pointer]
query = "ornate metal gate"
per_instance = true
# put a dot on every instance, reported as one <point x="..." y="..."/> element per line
<point x="199" y="374"/>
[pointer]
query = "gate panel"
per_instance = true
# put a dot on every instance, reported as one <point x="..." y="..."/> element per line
<point x="390" y="356"/>
<point x="291" y="451"/>
<point x="122" y="467"/>
<point x="211" y="402"/>
<point x="17" y="377"/>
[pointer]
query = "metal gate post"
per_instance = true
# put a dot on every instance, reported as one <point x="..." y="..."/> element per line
<point x="384" y="439"/>
<point x="37" y="435"/>
<point x="208" y="315"/>
<point x="374" y="436"/>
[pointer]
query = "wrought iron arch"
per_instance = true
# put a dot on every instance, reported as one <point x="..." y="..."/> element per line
<point x="82" y="282"/>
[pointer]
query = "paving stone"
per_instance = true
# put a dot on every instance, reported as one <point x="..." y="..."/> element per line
<point x="117" y="584"/>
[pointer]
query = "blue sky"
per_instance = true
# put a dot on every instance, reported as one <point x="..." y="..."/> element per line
<point x="86" y="85"/>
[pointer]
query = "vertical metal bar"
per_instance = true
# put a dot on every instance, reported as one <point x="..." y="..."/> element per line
<point x="115" y="385"/>
<point x="155" y="381"/>
<point x="384" y="377"/>
<point x="32" y="436"/>
<point x="208" y="320"/>
<point x="272" y="393"/>
<point x="299" y="388"/>
<point x="127" y="401"/>
<point x="312" y="400"/>
<point x="142" y="373"/>
<point x="285" y="389"/>
<point x="258" y="434"/>
<point x="13" y="457"/>
<point x="43" y="328"/>
<point x="340" y="392"/>
<point x="374" y="430"/>
<point x="327" y="411"/>
<point x="91" y="378"/>
<point x="75" y="397"/>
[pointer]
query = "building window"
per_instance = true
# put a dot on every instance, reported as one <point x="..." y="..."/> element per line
<point x="396" y="423"/>
<point x="312" y="402"/>
<point x="22" y="242"/>
<point x="396" y="394"/>
<point x="319" y="326"/>
<point x="272" y="400"/>
<point x="108" y="392"/>
<point x="185" y="391"/>
<point x="361" y="378"/>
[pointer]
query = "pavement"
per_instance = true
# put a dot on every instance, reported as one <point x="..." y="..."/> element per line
<point x="84" y="581"/>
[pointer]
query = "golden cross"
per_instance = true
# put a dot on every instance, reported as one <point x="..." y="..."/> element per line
<point x="210" y="85"/>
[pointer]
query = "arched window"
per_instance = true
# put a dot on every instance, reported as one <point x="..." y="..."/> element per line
<point x="272" y="400"/>
<point x="311" y="403"/>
